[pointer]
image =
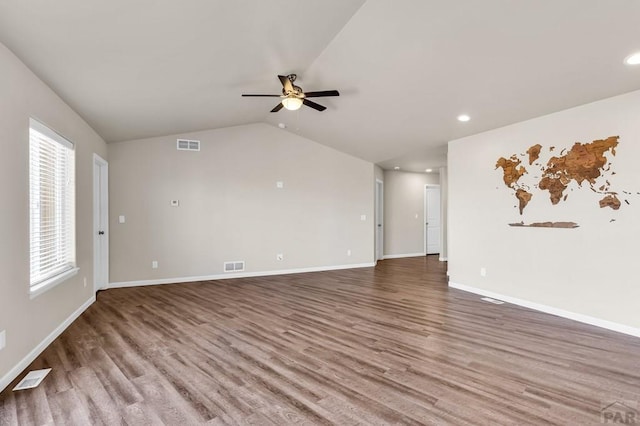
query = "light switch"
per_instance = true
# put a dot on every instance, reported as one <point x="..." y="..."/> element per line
<point x="3" y="339"/>
<point x="363" y="217"/>
<point x="121" y="218"/>
<point x="279" y="184"/>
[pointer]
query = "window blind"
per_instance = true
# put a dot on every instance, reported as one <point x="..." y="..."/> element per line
<point x="52" y="205"/>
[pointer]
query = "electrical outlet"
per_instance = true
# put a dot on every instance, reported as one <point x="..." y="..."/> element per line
<point x="279" y="184"/>
<point x="279" y="257"/>
<point x="3" y="339"/>
<point x="154" y="264"/>
<point x="121" y="219"/>
<point x="363" y="217"/>
<point x="349" y="252"/>
<point x="483" y="272"/>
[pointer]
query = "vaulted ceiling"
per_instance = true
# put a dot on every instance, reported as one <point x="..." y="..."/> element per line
<point x="405" y="68"/>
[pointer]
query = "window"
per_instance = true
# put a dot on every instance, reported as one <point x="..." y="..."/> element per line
<point x="52" y="208"/>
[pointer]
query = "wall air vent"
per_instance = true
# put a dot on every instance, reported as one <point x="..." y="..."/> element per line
<point x="188" y="145"/>
<point x="234" y="266"/>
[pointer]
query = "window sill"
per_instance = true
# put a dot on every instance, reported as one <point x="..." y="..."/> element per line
<point x="44" y="286"/>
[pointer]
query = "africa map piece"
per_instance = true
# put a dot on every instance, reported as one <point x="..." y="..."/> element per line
<point x="546" y="225"/>
<point x="583" y="163"/>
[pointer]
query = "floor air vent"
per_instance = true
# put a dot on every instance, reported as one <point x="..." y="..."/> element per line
<point x="234" y="266"/>
<point x="32" y="380"/>
<point x="494" y="301"/>
<point x="188" y="145"/>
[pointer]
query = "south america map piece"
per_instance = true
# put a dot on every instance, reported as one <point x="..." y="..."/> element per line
<point x="584" y="164"/>
<point x="523" y="198"/>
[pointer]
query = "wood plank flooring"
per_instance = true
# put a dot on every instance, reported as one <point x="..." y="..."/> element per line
<point x="384" y="345"/>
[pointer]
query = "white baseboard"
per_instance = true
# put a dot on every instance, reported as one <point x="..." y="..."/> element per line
<point x="398" y="256"/>
<point x="231" y="275"/>
<point x="442" y="259"/>
<point x="609" y="325"/>
<point x="16" y="370"/>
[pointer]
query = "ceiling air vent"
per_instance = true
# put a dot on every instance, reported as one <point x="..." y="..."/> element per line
<point x="188" y="145"/>
<point x="234" y="266"/>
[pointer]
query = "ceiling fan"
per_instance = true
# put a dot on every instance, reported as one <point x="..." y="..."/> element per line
<point x="293" y="97"/>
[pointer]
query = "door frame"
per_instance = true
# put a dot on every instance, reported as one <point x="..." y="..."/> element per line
<point x="379" y="220"/>
<point x="100" y="209"/>
<point x="424" y="222"/>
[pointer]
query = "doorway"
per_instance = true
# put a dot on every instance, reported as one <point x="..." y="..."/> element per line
<point x="100" y="223"/>
<point x="379" y="220"/>
<point x="432" y="219"/>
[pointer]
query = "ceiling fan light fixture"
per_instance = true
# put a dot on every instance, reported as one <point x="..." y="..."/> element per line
<point x="292" y="103"/>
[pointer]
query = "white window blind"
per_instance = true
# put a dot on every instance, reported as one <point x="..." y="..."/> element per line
<point x="52" y="207"/>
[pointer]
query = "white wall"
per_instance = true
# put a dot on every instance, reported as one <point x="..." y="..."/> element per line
<point x="591" y="270"/>
<point x="230" y="208"/>
<point x="28" y="322"/>
<point x="404" y="211"/>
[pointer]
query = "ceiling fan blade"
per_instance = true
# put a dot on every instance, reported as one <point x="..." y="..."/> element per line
<point x="277" y="107"/>
<point x="313" y="105"/>
<point x="265" y="96"/>
<point x="286" y="83"/>
<point x="322" y="93"/>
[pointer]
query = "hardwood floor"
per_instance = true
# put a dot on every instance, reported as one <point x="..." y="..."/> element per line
<point x="384" y="345"/>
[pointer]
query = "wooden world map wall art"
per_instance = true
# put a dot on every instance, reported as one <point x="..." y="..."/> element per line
<point x="584" y="163"/>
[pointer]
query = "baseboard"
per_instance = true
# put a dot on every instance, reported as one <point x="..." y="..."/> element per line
<point x="442" y="259"/>
<point x="609" y="325"/>
<point x="398" y="256"/>
<point x="15" y="371"/>
<point x="237" y="275"/>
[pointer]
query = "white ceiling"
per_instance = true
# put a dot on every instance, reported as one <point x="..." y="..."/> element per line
<point x="405" y="68"/>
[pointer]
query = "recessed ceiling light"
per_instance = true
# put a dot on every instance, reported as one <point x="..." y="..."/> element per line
<point x="428" y="170"/>
<point x="396" y="168"/>
<point x="464" y="117"/>
<point x="633" y="59"/>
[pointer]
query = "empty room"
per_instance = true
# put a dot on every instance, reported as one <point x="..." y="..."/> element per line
<point x="349" y="212"/>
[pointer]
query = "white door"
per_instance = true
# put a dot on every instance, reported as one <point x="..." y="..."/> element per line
<point x="379" y="219"/>
<point x="432" y="219"/>
<point x="100" y="223"/>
